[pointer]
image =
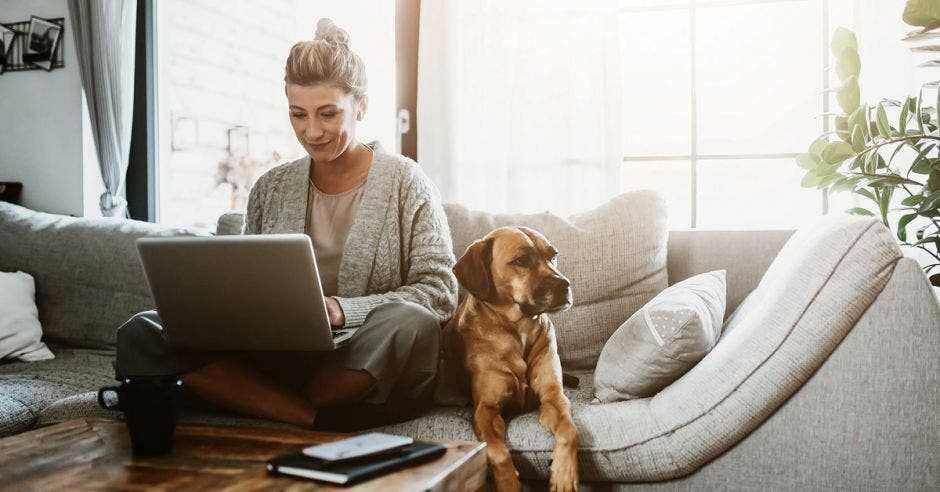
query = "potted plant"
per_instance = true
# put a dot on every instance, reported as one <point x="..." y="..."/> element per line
<point x="887" y="151"/>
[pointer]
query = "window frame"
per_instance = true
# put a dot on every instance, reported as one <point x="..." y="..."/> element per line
<point x="694" y="156"/>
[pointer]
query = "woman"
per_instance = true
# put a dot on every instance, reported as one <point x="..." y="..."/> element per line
<point x="383" y="251"/>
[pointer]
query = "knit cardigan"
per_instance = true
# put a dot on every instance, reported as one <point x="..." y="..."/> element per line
<point x="399" y="245"/>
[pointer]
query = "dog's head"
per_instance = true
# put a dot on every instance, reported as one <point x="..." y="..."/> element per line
<point x="515" y="265"/>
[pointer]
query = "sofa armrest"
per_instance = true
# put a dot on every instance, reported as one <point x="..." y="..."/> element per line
<point x="866" y="419"/>
<point x="745" y="255"/>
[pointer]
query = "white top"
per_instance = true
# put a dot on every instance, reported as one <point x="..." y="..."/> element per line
<point x="329" y="218"/>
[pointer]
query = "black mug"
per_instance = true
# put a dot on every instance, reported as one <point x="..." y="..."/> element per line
<point x="151" y="406"/>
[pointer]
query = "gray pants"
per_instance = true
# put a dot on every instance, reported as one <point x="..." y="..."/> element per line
<point x="397" y="345"/>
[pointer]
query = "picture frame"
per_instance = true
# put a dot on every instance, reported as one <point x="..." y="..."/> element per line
<point x="42" y="39"/>
<point x="7" y="38"/>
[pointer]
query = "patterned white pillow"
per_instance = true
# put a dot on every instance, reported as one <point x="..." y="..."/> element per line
<point x="663" y="340"/>
<point x="20" y="331"/>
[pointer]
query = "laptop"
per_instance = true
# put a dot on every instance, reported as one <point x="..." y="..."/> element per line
<point x="256" y="292"/>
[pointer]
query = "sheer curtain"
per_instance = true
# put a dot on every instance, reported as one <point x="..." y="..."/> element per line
<point x="104" y="35"/>
<point x="519" y="105"/>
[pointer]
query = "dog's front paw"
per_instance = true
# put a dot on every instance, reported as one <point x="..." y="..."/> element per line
<point x="507" y="483"/>
<point x="564" y="475"/>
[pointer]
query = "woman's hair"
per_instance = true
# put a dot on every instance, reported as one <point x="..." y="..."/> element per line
<point x="327" y="59"/>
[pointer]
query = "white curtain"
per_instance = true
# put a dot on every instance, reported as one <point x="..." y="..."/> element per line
<point x="519" y="106"/>
<point x="104" y="33"/>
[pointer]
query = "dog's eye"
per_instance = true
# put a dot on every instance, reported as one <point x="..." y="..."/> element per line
<point x="522" y="261"/>
<point x="554" y="259"/>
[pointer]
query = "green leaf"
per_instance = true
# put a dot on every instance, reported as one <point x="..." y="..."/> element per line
<point x="928" y="239"/>
<point x="867" y="194"/>
<point x="842" y="128"/>
<point x="857" y="162"/>
<point x="918" y="109"/>
<point x="807" y="161"/>
<point x="920" y="232"/>
<point x="921" y="159"/>
<point x="902" y="120"/>
<point x="933" y="181"/>
<point x="882" y="121"/>
<point x="818" y="145"/>
<point x="859" y="211"/>
<point x="846" y="184"/>
<point x="928" y="208"/>
<point x="912" y="200"/>
<point x="873" y="162"/>
<point x="848" y="64"/>
<point x="849" y="95"/>
<point x="836" y="152"/>
<point x="902" y="226"/>
<point x="935" y="280"/>
<point x="884" y="202"/>
<point x="858" y="139"/>
<point x="922" y="13"/>
<point x="842" y="38"/>
<point x="886" y="181"/>
<point x="810" y="180"/>
<point x="859" y="117"/>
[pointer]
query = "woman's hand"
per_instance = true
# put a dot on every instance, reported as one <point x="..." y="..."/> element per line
<point x="335" y="312"/>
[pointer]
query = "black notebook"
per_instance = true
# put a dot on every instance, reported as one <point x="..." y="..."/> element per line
<point x="350" y="471"/>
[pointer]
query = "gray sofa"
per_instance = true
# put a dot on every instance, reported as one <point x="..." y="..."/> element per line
<point x="826" y="376"/>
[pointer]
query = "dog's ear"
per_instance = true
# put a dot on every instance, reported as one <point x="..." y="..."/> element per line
<point x="473" y="269"/>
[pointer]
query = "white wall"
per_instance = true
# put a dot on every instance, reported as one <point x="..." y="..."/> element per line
<point x="41" y="124"/>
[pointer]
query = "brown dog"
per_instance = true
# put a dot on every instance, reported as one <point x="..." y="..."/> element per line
<point x="503" y="347"/>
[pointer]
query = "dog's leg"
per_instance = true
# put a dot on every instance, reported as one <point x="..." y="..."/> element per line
<point x="489" y="395"/>
<point x="556" y="417"/>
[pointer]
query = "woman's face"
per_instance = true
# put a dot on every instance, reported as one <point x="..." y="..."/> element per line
<point x="324" y="119"/>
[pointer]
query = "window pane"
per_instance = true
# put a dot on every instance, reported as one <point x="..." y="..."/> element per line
<point x="671" y="178"/>
<point x="759" y="77"/>
<point x="656" y="77"/>
<point x="745" y="193"/>
<point x="221" y="94"/>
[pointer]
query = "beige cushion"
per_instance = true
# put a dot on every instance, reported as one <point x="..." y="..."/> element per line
<point x="20" y="331"/>
<point x="662" y="340"/>
<point x="614" y="255"/>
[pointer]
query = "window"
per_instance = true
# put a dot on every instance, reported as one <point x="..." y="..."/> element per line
<point x="220" y="97"/>
<point x="719" y="97"/>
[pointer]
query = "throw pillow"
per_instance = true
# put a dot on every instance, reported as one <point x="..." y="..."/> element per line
<point x="20" y="331"/>
<point x="614" y="255"/>
<point x="663" y="340"/>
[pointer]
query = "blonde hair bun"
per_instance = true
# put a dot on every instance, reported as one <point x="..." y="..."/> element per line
<point x="327" y="59"/>
<point x="328" y="31"/>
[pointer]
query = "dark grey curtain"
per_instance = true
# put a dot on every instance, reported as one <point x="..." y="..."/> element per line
<point x="104" y="32"/>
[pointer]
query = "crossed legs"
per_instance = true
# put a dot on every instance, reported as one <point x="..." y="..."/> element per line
<point x="236" y="386"/>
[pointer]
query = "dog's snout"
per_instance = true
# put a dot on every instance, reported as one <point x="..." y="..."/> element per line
<point x="555" y="285"/>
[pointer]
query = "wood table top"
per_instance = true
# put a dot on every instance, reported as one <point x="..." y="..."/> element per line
<point x="94" y="453"/>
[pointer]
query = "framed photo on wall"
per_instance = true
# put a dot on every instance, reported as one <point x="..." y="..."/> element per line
<point x="7" y="37"/>
<point x="41" y="42"/>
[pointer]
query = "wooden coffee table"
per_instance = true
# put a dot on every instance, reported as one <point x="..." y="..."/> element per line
<point x="95" y="453"/>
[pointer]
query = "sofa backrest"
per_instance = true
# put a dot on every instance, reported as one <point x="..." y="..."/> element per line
<point x="88" y="277"/>
<point x="89" y="280"/>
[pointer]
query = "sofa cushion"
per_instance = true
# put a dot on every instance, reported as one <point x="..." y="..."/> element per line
<point x="88" y="277"/>
<point x="20" y="331"/>
<point x="27" y="388"/>
<point x="614" y="255"/>
<point x="662" y="340"/>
